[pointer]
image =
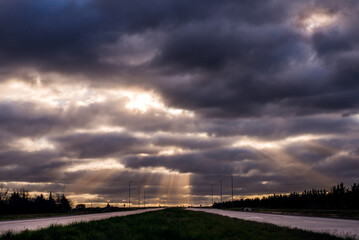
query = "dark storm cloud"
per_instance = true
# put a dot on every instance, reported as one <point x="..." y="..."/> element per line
<point x="253" y="71"/>
<point x="242" y="50"/>
<point x="5" y="139"/>
<point x="35" y="120"/>
<point x="212" y="44"/>
<point x="343" y="167"/>
<point x="278" y="128"/>
<point x="100" y="145"/>
<point x="37" y="166"/>
<point x="55" y="35"/>
<point x="23" y="118"/>
<point x="29" y="119"/>
<point x="189" y="142"/>
<point x="210" y="161"/>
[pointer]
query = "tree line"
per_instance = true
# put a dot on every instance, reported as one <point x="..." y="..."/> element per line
<point x="19" y="201"/>
<point x="338" y="197"/>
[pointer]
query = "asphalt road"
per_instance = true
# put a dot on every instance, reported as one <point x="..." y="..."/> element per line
<point x="33" y="224"/>
<point x="338" y="227"/>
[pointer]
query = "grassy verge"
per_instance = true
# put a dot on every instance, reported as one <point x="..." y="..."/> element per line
<point x="169" y="224"/>
<point x="344" y="214"/>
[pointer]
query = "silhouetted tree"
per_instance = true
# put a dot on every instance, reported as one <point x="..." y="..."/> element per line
<point x="64" y="204"/>
<point x="19" y="201"/>
<point x="339" y="197"/>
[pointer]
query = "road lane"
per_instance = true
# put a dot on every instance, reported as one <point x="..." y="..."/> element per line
<point x="338" y="227"/>
<point x="33" y="224"/>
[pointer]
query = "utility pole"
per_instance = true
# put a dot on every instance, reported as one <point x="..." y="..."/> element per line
<point x="232" y="186"/>
<point x="129" y="194"/>
<point x="212" y="193"/>
<point x="220" y="182"/>
<point x="144" y="196"/>
<point x="139" y="196"/>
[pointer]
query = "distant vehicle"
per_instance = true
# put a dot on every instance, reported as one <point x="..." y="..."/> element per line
<point x="80" y="207"/>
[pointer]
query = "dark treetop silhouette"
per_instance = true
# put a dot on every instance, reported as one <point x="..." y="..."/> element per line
<point x="339" y="197"/>
<point x="19" y="201"/>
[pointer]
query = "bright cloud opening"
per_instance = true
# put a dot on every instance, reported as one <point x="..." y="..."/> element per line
<point x="141" y="101"/>
<point x="276" y="144"/>
<point x="97" y="165"/>
<point x="32" y="145"/>
<point x="318" y="20"/>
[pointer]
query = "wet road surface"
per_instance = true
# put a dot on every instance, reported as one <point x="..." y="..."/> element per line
<point x="33" y="224"/>
<point x="338" y="227"/>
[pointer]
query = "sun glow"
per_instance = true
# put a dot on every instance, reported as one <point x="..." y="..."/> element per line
<point x="70" y="96"/>
<point x="141" y="101"/>
<point x="100" y="129"/>
<point x="318" y="20"/>
<point x="97" y="165"/>
<point x="32" y="145"/>
<point x="171" y="151"/>
<point x="88" y="199"/>
<point x="276" y="144"/>
<point x="174" y="188"/>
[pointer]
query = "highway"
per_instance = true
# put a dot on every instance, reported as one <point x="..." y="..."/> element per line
<point x="338" y="227"/>
<point x="33" y="224"/>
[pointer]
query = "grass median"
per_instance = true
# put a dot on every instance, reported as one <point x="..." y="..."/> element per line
<point x="169" y="224"/>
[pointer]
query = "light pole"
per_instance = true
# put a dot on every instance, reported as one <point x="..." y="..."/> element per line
<point x="144" y="197"/>
<point x="139" y="196"/>
<point x="212" y="193"/>
<point x="232" y="186"/>
<point x="220" y="182"/>
<point x="129" y="194"/>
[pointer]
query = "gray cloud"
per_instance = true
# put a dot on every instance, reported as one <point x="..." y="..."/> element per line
<point x="210" y="161"/>
<point x="38" y="166"/>
<point x="100" y="145"/>
<point x="22" y="118"/>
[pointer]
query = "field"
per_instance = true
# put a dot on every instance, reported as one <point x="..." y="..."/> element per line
<point x="169" y="224"/>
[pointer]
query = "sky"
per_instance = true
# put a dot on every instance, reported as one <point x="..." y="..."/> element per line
<point x="176" y="96"/>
